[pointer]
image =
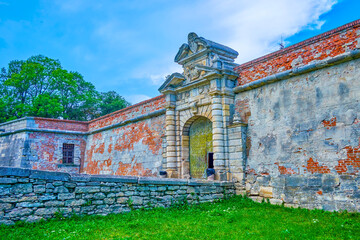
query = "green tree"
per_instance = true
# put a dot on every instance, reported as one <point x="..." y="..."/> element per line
<point x="110" y="102"/>
<point x="40" y="87"/>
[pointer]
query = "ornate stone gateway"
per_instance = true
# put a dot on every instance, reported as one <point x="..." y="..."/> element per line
<point x="198" y="111"/>
<point x="200" y="146"/>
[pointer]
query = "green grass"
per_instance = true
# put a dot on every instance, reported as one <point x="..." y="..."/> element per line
<point x="235" y="218"/>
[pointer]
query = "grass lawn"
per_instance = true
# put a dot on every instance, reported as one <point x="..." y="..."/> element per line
<point x="235" y="218"/>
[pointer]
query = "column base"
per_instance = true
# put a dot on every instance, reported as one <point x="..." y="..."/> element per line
<point x="221" y="175"/>
<point x="172" y="173"/>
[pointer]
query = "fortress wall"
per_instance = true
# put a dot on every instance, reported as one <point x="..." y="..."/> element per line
<point x="128" y="142"/>
<point x="32" y="195"/>
<point x="304" y="138"/>
<point x="131" y="112"/>
<point x="324" y="46"/>
<point x="12" y="145"/>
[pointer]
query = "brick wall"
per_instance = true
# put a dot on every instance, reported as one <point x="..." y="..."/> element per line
<point x="127" y="142"/>
<point x="131" y="150"/>
<point x="31" y="195"/>
<point x="136" y="110"/>
<point x="324" y="46"/>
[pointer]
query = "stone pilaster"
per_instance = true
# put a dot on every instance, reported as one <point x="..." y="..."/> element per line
<point x="170" y="123"/>
<point x="218" y="137"/>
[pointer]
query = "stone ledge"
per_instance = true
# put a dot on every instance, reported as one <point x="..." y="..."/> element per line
<point x="111" y="178"/>
<point x="16" y="172"/>
<point x="58" y="176"/>
<point x="162" y="181"/>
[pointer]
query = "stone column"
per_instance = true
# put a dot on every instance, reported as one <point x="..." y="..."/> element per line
<point x="218" y="137"/>
<point x="171" y="138"/>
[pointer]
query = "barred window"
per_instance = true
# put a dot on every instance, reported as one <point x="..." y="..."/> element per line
<point x="68" y="153"/>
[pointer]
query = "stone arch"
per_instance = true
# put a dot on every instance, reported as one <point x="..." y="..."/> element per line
<point x="188" y="164"/>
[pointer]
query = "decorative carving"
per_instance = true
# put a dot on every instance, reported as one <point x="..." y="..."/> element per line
<point x="194" y="107"/>
<point x="215" y="61"/>
<point x="191" y="41"/>
<point x="191" y="72"/>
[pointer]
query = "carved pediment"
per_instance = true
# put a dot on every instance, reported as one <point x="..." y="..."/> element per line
<point x="201" y="60"/>
<point x="198" y="44"/>
<point x="174" y="80"/>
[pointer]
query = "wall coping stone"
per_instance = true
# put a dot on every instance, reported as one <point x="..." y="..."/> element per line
<point x="16" y="172"/>
<point x="61" y="176"/>
<point x="132" y="120"/>
<point x="47" y="175"/>
<point x="162" y="181"/>
<point x="113" y="178"/>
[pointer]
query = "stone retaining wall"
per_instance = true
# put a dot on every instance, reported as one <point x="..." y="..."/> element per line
<point x="31" y="195"/>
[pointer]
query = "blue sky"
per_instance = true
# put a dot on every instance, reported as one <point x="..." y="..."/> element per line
<point x="129" y="46"/>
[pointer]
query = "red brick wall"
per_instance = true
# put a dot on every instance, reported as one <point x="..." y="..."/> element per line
<point x="133" y="111"/>
<point x="326" y="45"/>
<point x="67" y="125"/>
<point x="45" y="151"/>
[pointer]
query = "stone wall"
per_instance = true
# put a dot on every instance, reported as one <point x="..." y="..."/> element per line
<point x="36" y="143"/>
<point x="324" y="46"/>
<point x="12" y="145"/>
<point x="31" y="195"/>
<point x="303" y="136"/>
<point x="130" y="150"/>
<point x="127" y="142"/>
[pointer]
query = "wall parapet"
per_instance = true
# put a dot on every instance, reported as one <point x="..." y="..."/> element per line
<point x="31" y="195"/>
<point x="351" y="55"/>
<point x="327" y="45"/>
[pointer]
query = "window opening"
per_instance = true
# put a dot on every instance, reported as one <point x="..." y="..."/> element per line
<point x="68" y="153"/>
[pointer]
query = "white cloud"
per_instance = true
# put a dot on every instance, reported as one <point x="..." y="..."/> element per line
<point x="136" y="98"/>
<point x="254" y="28"/>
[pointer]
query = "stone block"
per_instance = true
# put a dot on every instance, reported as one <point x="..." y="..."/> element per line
<point x="54" y="204"/>
<point x="8" y="180"/>
<point x="29" y="204"/>
<point x="266" y="192"/>
<point x="33" y="219"/>
<point x="22" y="188"/>
<point x="276" y="201"/>
<point x="18" y="212"/>
<point x="122" y="200"/>
<point x="295" y="181"/>
<point x="330" y="180"/>
<point x="99" y="195"/>
<point x="5" y="206"/>
<point x="66" y="196"/>
<point x="87" y="189"/>
<point x="16" y="172"/>
<point x="47" y="197"/>
<point x="39" y="188"/>
<point x="109" y="200"/>
<point x="46" y="211"/>
<point x="57" y="176"/>
<point x="61" y="189"/>
<point x="72" y="203"/>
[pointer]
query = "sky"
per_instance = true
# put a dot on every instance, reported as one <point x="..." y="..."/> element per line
<point x="128" y="46"/>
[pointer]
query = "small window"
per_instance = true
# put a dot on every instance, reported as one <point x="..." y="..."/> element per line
<point x="210" y="160"/>
<point x="68" y="153"/>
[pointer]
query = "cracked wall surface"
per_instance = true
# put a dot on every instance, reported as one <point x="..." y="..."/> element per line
<point x="305" y="134"/>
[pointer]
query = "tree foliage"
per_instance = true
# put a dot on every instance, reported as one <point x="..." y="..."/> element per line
<point x="40" y="87"/>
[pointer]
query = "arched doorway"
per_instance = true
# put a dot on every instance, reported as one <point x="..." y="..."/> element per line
<point x="200" y="147"/>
